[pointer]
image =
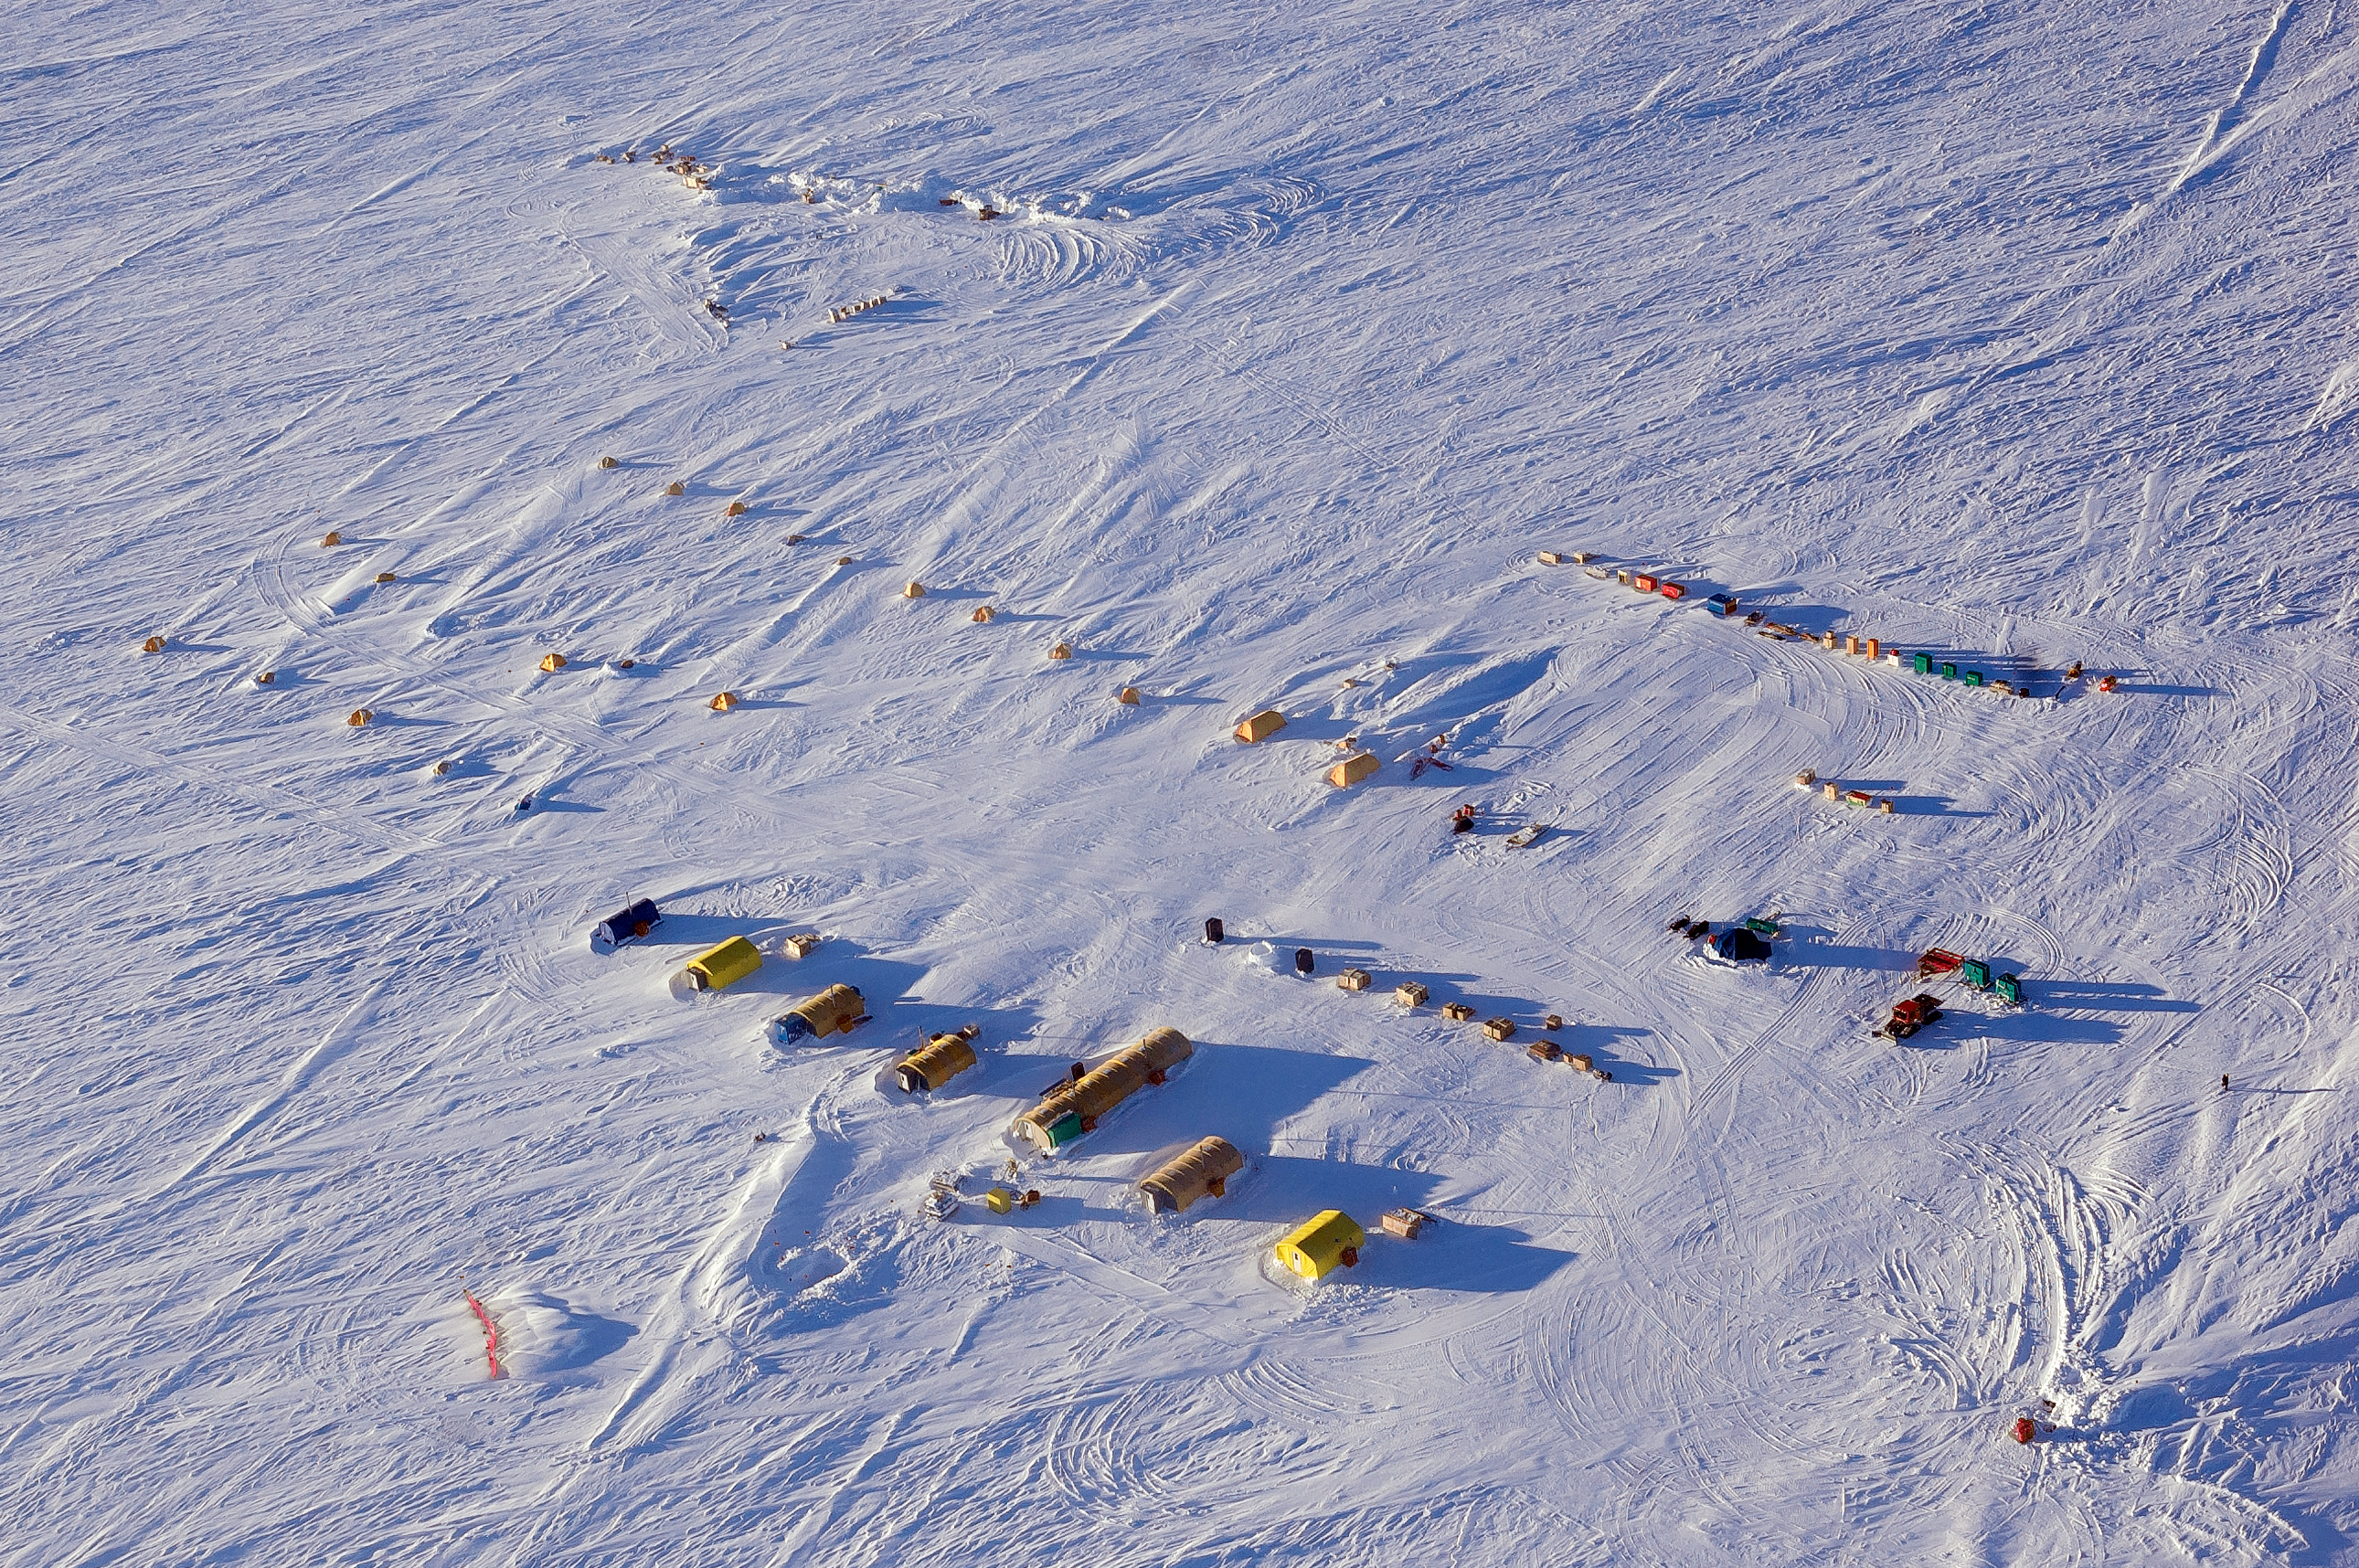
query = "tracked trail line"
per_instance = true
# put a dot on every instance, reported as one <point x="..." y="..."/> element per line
<point x="1802" y="999"/>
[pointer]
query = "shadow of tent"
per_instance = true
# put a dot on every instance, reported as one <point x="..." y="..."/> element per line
<point x="698" y="931"/>
<point x="1490" y="1260"/>
<point x="1240" y="1092"/>
<point x="2032" y="1028"/>
<point x="881" y="982"/>
<point x="1929" y="805"/>
<point x="900" y="1026"/>
<point x="1833" y="957"/>
<point x="542" y="805"/>
<point x="2102" y="996"/>
<point x="1585" y="1038"/>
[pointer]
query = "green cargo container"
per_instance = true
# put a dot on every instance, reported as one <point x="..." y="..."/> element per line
<point x="1064" y="1130"/>
<point x="1973" y="678"/>
<point x="1975" y="973"/>
<point x="2010" y="989"/>
<point x="1949" y="672"/>
<point x="1924" y="663"/>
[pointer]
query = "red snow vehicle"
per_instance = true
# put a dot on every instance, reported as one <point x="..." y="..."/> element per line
<point x="1909" y="1017"/>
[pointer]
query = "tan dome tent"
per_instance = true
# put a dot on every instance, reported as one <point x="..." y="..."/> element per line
<point x="835" y="1011"/>
<point x="937" y="1062"/>
<point x="1261" y="726"/>
<point x="1201" y="1170"/>
<point x="1078" y="1107"/>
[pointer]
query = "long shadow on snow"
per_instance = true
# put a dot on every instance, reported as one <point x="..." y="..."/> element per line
<point x="1240" y="1092"/>
<point x="2101" y="996"/>
<point x="1486" y="1260"/>
<point x="2030" y="1028"/>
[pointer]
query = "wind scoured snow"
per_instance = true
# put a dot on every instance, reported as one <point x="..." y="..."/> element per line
<point x="2018" y="337"/>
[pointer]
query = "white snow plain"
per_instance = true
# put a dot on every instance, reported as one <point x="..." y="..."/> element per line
<point x="2019" y="333"/>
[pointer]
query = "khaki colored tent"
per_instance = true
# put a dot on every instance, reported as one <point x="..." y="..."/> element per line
<point x="1261" y="726"/>
<point x="835" y="1011"/>
<point x="1076" y="1108"/>
<point x="1201" y="1170"/>
<point x="936" y="1063"/>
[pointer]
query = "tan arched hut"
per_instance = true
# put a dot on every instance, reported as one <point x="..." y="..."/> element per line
<point x="1203" y="1170"/>
<point x="835" y="1011"/>
<point x="937" y="1062"/>
<point x="1078" y="1107"/>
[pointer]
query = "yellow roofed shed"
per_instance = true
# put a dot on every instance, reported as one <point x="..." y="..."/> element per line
<point x="1328" y="1241"/>
<point x="716" y="968"/>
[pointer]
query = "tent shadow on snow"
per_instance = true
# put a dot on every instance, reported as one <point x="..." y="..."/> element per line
<point x="1480" y="1260"/>
<point x="2033" y="1028"/>
<point x="1240" y="1092"/>
<point x="1834" y="956"/>
<point x="2104" y="996"/>
<point x="1599" y="1039"/>
<point x="1929" y="806"/>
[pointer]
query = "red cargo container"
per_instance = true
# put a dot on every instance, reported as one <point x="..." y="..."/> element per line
<point x="1675" y="590"/>
<point x="1644" y="583"/>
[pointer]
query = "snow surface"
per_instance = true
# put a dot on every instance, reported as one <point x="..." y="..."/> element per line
<point x="2022" y="334"/>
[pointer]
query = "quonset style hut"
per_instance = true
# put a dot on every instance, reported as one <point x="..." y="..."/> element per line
<point x="936" y="1063"/>
<point x="1201" y="1170"/>
<point x="719" y="967"/>
<point x="834" y="1012"/>
<point x="1076" y="1108"/>
<point x="629" y="924"/>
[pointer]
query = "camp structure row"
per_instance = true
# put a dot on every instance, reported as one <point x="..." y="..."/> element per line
<point x="1076" y="1108"/>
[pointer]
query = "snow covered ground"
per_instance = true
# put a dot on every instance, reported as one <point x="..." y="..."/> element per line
<point x="2021" y="334"/>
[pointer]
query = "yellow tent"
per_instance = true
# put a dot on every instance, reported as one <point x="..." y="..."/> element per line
<point x="1328" y="1241"/>
<point x="720" y="967"/>
<point x="1261" y="726"/>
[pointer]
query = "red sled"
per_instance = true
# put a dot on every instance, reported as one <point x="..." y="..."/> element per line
<point x="1938" y="961"/>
